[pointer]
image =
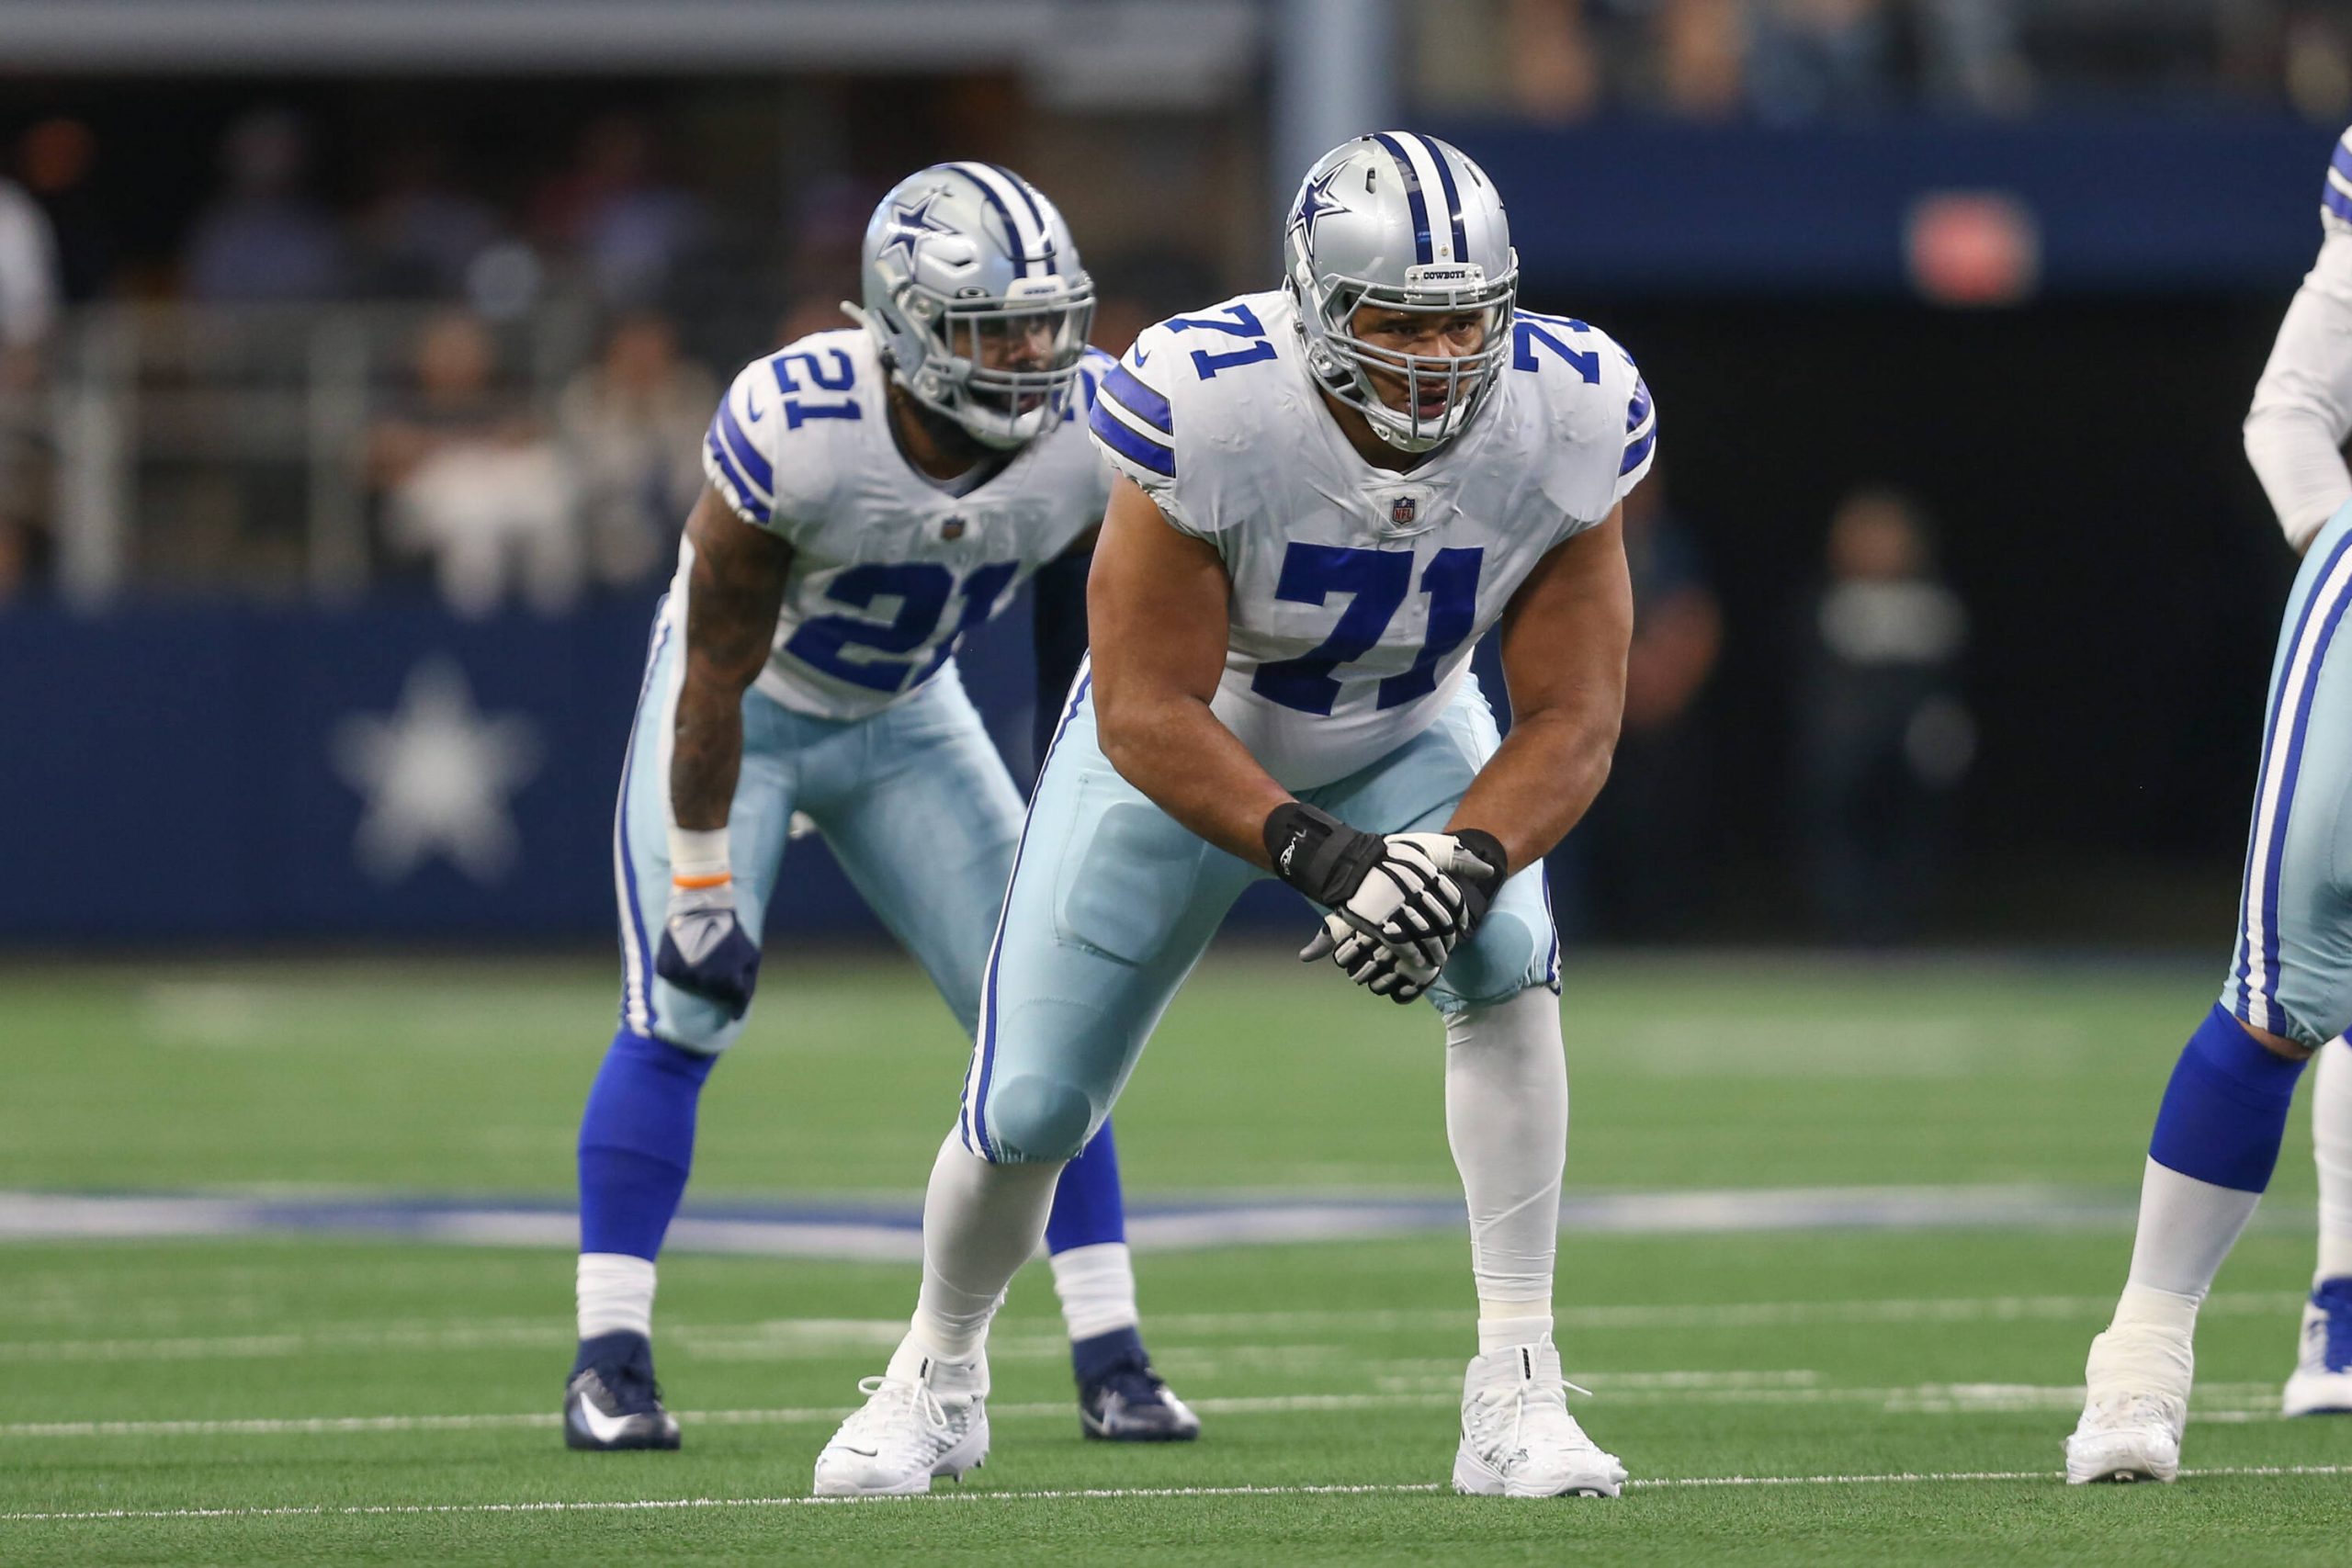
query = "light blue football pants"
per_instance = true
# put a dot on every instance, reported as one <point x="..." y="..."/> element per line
<point x="1113" y="902"/>
<point x="914" y="801"/>
<point x="2293" y="971"/>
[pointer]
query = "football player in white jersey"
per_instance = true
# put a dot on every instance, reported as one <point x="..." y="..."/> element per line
<point x="2288" y="994"/>
<point x="875" y="493"/>
<point x="1327" y="493"/>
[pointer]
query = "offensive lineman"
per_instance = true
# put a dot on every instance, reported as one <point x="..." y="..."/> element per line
<point x="2290" y="987"/>
<point x="875" y="493"/>
<point x="1326" y="494"/>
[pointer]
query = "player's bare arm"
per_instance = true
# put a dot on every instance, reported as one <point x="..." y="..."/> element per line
<point x="1565" y="637"/>
<point x="732" y="598"/>
<point x="1156" y="603"/>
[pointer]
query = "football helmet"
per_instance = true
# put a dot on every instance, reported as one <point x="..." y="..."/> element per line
<point x="1405" y="222"/>
<point x="975" y="295"/>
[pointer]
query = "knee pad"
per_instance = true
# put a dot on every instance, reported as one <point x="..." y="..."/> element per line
<point x="1033" y="1120"/>
<point x="1505" y="957"/>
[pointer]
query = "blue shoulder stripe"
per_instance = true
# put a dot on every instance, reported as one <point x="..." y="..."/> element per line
<point x="1638" y="408"/>
<point x="2342" y="162"/>
<point x="747" y="454"/>
<point x="745" y="496"/>
<point x="1130" y="446"/>
<point x="1635" y="453"/>
<point x="1139" y="399"/>
<point x="2338" y="203"/>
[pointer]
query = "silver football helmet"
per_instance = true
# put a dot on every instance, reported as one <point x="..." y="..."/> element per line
<point x="975" y="298"/>
<point x="1401" y="223"/>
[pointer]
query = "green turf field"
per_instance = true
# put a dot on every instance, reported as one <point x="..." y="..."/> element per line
<point x="289" y="1397"/>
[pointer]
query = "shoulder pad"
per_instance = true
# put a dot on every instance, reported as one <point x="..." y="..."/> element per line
<point x="2335" y="194"/>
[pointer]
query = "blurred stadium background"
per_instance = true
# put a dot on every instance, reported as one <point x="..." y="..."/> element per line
<point x="353" y="359"/>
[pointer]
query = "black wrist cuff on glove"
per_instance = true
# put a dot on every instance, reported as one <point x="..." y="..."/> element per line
<point x="1317" y="853"/>
<point x="1486" y="847"/>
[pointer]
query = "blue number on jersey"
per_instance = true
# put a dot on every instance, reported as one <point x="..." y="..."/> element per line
<point x="1378" y="579"/>
<point x="1241" y="322"/>
<point x="923" y="590"/>
<point x="1528" y="328"/>
<point x="839" y="379"/>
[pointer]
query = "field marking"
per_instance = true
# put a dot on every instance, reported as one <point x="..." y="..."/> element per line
<point x="2220" y="1401"/>
<point x="848" y="1231"/>
<point x="782" y="1338"/>
<point x="976" y="1495"/>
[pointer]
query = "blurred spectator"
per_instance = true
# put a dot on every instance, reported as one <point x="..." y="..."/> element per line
<point x="1555" y="73"/>
<point x="1644" y="855"/>
<point x="54" y="158"/>
<point x="422" y="234"/>
<point x="262" y="240"/>
<point x="615" y="209"/>
<point x="1807" y="59"/>
<point x="1882" y="737"/>
<point x="469" y="481"/>
<point x="631" y="427"/>
<point x="29" y="302"/>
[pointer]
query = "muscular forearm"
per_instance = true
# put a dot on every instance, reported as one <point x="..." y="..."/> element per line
<point x="1194" y="768"/>
<point x="707" y="751"/>
<point x="1540" y="783"/>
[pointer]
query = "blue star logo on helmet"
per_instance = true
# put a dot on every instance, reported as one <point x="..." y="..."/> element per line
<point x="909" y="223"/>
<point x="1317" y="201"/>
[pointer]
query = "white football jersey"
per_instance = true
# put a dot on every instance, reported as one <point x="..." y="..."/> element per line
<point x="1358" y="593"/>
<point x="888" y="568"/>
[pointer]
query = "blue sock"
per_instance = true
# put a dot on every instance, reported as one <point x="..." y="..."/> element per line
<point x="1088" y="1207"/>
<point x="637" y="1143"/>
<point x="2225" y="1113"/>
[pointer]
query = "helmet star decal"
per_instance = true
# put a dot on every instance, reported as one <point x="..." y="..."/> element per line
<point x="1317" y="201"/>
<point x="909" y="223"/>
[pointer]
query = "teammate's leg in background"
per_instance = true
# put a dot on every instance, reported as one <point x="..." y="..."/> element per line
<point x="2224" y="1110"/>
<point x="927" y="828"/>
<point x="2321" y="1381"/>
<point x="636" y="1132"/>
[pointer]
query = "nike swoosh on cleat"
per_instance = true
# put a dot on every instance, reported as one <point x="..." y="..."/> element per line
<point x="863" y="1453"/>
<point x="602" y="1428"/>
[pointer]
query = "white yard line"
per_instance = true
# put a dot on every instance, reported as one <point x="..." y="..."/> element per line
<point x="976" y="1495"/>
<point x="788" y="1337"/>
<point x="2220" y="1401"/>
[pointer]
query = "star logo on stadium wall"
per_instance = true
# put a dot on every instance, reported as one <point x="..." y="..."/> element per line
<point x="910" y="222"/>
<point x="1317" y="201"/>
<point x="437" y="776"/>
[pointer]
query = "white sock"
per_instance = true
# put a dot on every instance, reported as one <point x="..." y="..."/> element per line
<point x="616" y="1294"/>
<point x="980" y="1224"/>
<point x="2332" y="1148"/>
<point x="1506" y="1117"/>
<point x="2187" y="1228"/>
<point x="1097" y="1285"/>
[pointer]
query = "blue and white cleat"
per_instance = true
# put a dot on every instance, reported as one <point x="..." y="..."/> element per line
<point x="1518" y="1438"/>
<point x="612" y="1401"/>
<point x="921" y="1419"/>
<point x="1121" y="1399"/>
<point x="2322" y="1382"/>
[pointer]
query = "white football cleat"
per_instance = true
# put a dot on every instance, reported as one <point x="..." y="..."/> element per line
<point x="2322" y="1382"/>
<point x="921" y="1418"/>
<point x="2135" y="1407"/>
<point x="1518" y="1438"/>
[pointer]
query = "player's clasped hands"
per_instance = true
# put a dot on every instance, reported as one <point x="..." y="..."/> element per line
<point x="1400" y="902"/>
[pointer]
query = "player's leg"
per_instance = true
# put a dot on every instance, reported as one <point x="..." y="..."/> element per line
<point x="2224" y="1114"/>
<point x="636" y="1132"/>
<point x="1110" y="906"/>
<point x="1506" y="1119"/>
<point x="925" y="819"/>
<point x="2321" y="1383"/>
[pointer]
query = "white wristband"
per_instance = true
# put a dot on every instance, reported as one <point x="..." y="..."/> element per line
<point x="699" y="854"/>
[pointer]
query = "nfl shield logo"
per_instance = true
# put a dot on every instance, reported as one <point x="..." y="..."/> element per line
<point x="1402" y="511"/>
<point x="953" y="528"/>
